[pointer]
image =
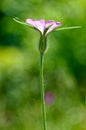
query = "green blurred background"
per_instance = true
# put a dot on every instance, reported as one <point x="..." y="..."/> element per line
<point x="64" y="66"/>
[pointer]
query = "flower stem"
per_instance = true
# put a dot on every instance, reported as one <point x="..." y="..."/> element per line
<point x="42" y="90"/>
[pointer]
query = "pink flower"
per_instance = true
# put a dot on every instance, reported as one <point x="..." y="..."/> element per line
<point x="43" y="26"/>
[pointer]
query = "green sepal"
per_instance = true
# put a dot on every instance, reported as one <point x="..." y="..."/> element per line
<point x="20" y="22"/>
<point x="66" y="28"/>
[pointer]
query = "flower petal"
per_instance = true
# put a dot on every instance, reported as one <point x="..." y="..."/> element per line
<point x="49" y="23"/>
<point x="55" y="25"/>
<point x="31" y="22"/>
<point x="40" y="25"/>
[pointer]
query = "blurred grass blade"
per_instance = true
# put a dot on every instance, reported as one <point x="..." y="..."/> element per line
<point x="66" y="28"/>
<point x="18" y="21"/>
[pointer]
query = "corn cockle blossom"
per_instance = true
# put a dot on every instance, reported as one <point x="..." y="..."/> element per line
<point x="43" y="26"/>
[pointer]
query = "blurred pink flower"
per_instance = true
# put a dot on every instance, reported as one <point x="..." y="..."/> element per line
<point x="43" y="26"/>
<point x="49" y="98"/>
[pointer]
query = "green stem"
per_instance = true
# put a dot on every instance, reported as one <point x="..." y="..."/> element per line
<point x="42" y="90"/>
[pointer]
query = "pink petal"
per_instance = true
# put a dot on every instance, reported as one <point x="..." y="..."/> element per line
<point x="55" y="25"/>
<point x="31" y="22"/>
<point x="40" y="25"/>
<point x="49" y="23"/>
